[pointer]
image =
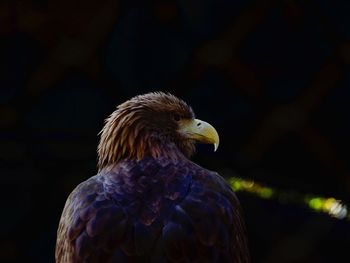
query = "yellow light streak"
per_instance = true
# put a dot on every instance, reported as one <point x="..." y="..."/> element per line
<point x="329" y="205"/>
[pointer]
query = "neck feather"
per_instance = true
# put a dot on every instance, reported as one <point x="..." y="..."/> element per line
<point x="126" y="136"/>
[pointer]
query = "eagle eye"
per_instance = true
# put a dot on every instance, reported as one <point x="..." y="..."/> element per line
<point x="177" y="117"/>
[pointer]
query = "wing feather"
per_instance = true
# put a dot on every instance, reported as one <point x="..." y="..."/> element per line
<point x="152" y="211"/>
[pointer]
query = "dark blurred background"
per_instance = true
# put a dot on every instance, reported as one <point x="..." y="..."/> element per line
<point x="271" y="75"/>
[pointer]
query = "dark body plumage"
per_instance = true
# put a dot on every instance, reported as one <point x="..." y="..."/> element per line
<point x="155" y="209"/>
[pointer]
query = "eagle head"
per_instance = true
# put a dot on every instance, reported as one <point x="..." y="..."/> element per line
<point x="156" y="124"/>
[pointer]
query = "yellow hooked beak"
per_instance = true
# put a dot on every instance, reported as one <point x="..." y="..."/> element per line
<point x="200" y="131"/>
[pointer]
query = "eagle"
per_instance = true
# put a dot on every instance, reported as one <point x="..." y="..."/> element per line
<point x="149" y="202"/>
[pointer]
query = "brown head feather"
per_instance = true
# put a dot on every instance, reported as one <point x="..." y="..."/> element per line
<point x="145" y="125"/>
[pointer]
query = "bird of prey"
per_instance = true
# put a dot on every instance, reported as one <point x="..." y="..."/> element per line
<point x="148" y="201"/>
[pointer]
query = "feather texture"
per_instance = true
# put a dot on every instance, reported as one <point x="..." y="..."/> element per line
<point x="153" y="210"/>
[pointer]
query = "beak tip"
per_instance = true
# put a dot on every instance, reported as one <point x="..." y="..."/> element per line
<point x="215" y="147"/>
